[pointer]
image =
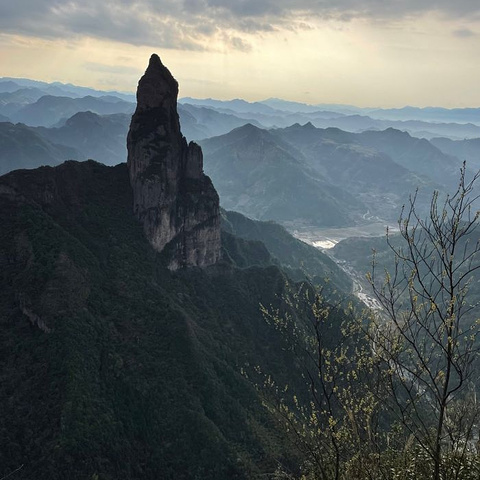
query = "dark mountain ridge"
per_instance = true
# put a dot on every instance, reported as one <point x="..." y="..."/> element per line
<point x="113" y="365"/>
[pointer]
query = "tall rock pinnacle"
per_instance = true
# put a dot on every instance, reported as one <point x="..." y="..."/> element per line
<point x="176" y="202"/>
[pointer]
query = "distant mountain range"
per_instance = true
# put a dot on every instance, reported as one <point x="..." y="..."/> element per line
<point x="321" y="177"/>
<point x="258" y="175"/>
<point x="88" y="135"/>
<point x="10" y="84"/>
<point x="415" y="155"/>
<point x="425" y="122"/>
<point x="322" y="165"/>
<point x="49" y="111"/>
<point x="274" y="110"/>
<point x="23" y="147"/>
<point x="93" y="136"/>
<point x="468" y="150"/>
<point x="200" y="122"/>
<point x="324" y="177"/>
<point x="275" y="105"/>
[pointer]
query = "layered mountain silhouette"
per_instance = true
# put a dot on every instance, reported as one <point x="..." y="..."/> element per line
<point x="199" y="122"/>
<point x="49" y="110"/>
<point x="318" y="169"/>
<point x="264" y="178"/>
<point x="428" y="123"/>
<point x="324" y="177"/>
<point x="93" y="136"/>
<point x="23" y="147"/>
<point x="468" y="150"/>
<point x="383" y="168"/>
<point x="88" y="135"/>
<point x="346" y="177"/>
<point x="417" y="155"/>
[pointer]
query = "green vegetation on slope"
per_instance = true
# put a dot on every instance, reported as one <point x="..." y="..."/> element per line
<point x="297" y="258"/>
<point x="111" y="365"/>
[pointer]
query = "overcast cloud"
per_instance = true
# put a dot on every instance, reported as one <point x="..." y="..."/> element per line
<point x="190" y="24"/>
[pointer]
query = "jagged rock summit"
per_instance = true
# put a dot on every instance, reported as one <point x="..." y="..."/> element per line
<point x="176" y="202"/>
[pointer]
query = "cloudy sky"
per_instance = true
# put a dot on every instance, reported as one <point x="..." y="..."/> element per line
<point x="362" y="52"/>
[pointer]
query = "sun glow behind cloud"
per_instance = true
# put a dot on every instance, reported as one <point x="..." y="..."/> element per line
<point x="365" y="57"/>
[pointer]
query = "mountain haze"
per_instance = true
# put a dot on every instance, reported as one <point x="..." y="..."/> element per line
<point x="257" y="175"/>
<point x="22" y="147"/>
<point x="49" y="110"/>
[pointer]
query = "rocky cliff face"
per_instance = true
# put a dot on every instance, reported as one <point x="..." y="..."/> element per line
<point x="173" y="198"/>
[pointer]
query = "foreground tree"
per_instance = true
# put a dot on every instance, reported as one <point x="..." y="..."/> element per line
<point x="391" y="394"/>
<point x="426" y="334"/>
<point x="335" y="417"/>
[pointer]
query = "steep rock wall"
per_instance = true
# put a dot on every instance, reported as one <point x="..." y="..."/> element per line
<point x="176" y="202"/>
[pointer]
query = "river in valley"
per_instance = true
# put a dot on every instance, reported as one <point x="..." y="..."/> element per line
<point x="326" y="238"/>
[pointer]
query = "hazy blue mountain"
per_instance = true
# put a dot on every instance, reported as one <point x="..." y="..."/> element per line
<point x="99" y="137"/>
<point x="417" y="155"/>
<point x="4" y="118"/>
<point x="22" y="96"/>
<point x="12" y="102"/>
<point x="429" y="130"/>
<point x="468" y="150"/>
<point x="359" y="123"/>
<point x="288" y="106"/>
<point x="21" y="147"/>
<point x="454" y="131"/>
<point x="59" y="89"/>
<point x="430" y="114"/>
<point x="286" y="119"/>
<point x="298" y="107"/>
<point x="343" y="117"/>
<point x="102" y="137"/>
<point x="191" y="129"/>
<point x="371" y="174"/>
<point x="261" y="176"/>
<point x="201" y="122"/>
<point x="49" y="110"/>
<point x="413" y="154"/>
<point x="267" y="117"/>
<point x="237" y="105"/>
<point x="9" y="86"/>
<point x="426" y="114"/>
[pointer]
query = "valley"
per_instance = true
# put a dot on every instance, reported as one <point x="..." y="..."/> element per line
<point x="326" y="238"/>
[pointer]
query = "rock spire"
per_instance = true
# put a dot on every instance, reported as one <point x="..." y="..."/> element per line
<point x="176" y="202"/>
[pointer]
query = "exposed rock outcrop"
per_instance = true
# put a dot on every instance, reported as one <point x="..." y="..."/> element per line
<point x="173" y="198"/>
